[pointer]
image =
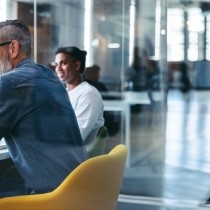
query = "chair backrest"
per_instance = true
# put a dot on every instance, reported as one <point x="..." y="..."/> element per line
<point x="97" y="146"/>
<point x="93" y="185"/>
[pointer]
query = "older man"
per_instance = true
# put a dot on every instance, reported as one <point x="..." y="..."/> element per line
<point x="37" y="119"/>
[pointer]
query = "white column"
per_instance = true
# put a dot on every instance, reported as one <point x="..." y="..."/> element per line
<point x="88" y="31"/>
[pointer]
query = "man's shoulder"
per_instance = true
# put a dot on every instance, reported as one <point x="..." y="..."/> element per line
<point x="10" y="77"/>
<point x="27" y="70"/>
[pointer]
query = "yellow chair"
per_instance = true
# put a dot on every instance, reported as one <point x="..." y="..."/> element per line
<point x="93" y="185"/>
<point x="97" y="147"/>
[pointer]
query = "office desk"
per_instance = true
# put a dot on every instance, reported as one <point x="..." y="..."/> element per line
<point x="122" y="104"/>
<point x="127" y="99"/>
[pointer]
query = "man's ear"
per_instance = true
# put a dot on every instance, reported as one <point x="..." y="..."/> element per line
<point x="14" y="49"/>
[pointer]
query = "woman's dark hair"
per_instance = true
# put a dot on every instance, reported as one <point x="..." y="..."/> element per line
<point x="76" y="54"/>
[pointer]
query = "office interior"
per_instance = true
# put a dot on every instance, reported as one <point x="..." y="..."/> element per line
<point x="154" y="59"/>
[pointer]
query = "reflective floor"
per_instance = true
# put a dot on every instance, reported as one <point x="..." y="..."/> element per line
<point x="184" y="180"/>
<point x="187" y="176"/>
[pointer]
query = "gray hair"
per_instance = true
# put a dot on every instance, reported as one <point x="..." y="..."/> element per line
<point x="16" y="30"/>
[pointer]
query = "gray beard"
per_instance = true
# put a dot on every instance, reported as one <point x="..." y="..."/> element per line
<point x="5" y="64"/>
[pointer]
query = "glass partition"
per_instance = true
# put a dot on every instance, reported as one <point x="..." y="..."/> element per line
<point x="126" y="40"/>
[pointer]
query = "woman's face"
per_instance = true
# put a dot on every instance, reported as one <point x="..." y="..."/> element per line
<point x="66" y="68"/>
